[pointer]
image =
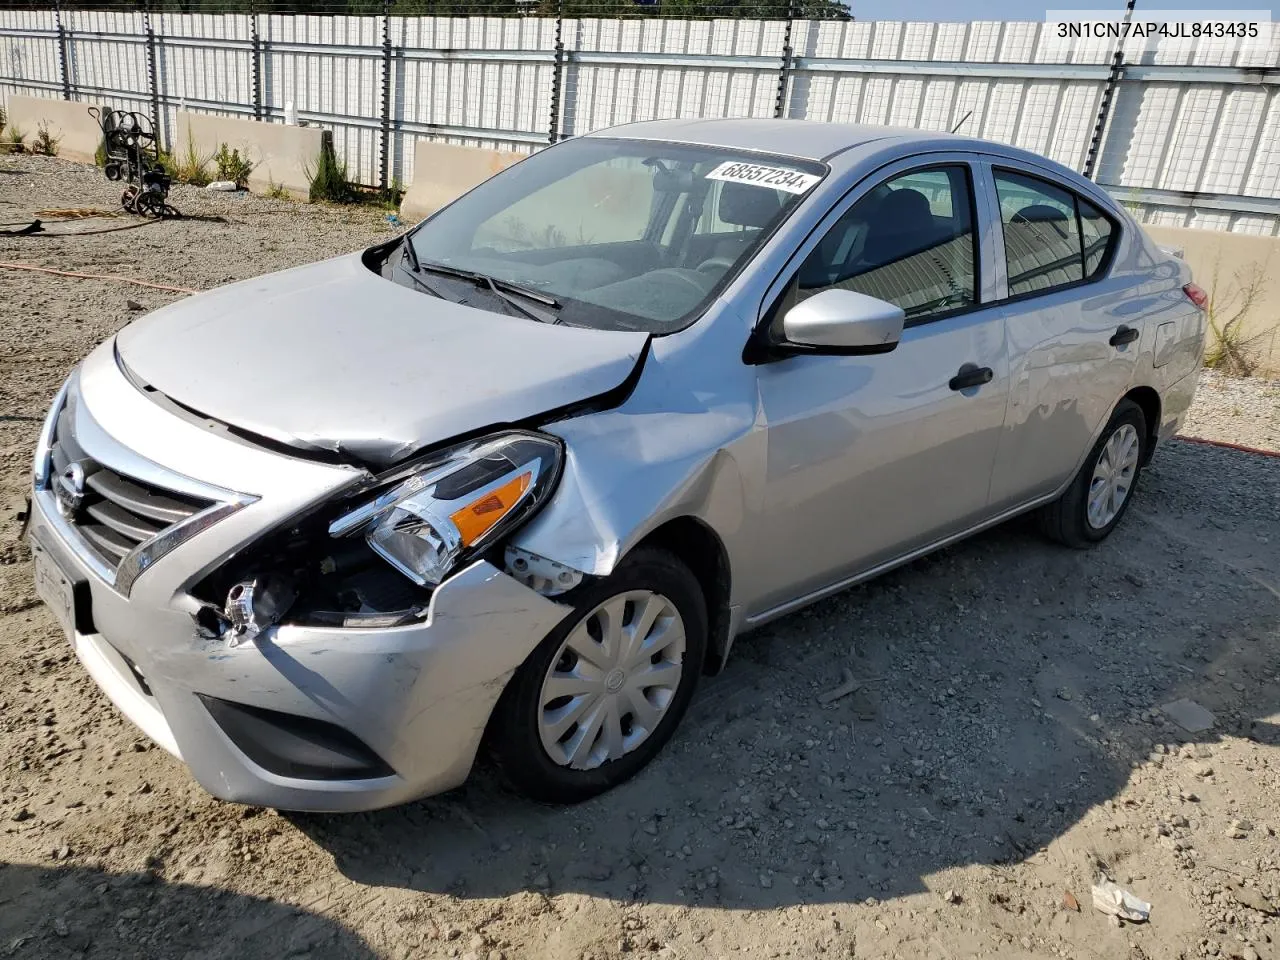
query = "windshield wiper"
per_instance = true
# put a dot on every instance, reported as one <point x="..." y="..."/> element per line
<point x="415" y="268"/>
<point x="411" y="254"/>
<point x="503" y="289"/>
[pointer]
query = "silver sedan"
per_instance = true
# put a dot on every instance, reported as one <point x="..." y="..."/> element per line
<point x="516" y="479"/>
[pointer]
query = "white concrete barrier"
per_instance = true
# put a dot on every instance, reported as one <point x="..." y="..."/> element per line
<point x="68" y="121"/>
<point x="442" y="172"/>
<point x="281" y="155"/>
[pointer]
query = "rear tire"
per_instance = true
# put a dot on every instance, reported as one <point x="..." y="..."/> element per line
<point x="583" y="714"/>
<point x="1101" y="492"/>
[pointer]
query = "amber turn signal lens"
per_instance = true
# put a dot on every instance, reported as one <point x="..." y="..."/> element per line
<point x="478" y="517"/>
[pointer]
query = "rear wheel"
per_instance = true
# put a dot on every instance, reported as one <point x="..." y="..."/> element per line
<point x="599" y="697"/>
<point x="149" y="204"/>
<point x="1100" y="493"/>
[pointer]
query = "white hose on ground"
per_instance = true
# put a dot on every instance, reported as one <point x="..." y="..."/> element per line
<point x="95" y="276"/>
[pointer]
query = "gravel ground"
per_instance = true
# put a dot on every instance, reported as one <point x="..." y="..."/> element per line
<point x="1238" y="411"/>
<point x="1006" y="742"/>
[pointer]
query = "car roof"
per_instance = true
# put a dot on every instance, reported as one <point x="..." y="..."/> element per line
<point x="806" y="139"/>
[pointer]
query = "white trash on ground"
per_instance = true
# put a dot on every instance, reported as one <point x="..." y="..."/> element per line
<point x="1119" y="902"/>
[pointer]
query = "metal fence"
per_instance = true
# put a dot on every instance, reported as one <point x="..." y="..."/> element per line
<point x="1189" y="136"/>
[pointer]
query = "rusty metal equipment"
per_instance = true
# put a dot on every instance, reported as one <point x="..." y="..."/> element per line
<point x="133" y="157"/>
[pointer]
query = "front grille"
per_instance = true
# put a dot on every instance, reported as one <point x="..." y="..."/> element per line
<point x="117" y="512"/>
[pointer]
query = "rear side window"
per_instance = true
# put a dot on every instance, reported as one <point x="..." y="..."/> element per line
<point x="908" y="241"/>
<point x="1095" y="230"/>
<point x="1052" y="238"/>
<point x="1041" y="236"/>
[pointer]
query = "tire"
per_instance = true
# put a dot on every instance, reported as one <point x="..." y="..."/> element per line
<point x="1069" y="519"/>
<point x="149" y="204"/>
<point x="528" y="718"/>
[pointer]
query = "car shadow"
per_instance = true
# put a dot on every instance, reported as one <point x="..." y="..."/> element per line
<point x="65" y="912"/>
<point x="1008" y="687"/>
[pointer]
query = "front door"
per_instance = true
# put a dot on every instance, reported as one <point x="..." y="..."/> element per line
<point x="871" y="457"/>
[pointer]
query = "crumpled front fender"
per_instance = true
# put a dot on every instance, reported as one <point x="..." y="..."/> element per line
<point x="668" y="451"/>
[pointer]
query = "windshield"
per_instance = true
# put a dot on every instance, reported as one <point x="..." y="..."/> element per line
<point x="613" y="234"/>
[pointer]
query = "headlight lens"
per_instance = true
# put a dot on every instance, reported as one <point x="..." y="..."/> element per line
<point x="456" y="503"/>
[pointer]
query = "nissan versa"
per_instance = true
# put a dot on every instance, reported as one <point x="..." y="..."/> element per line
<point x="518" y="478"/>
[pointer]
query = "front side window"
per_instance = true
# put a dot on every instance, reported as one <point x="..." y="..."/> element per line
<point x="908" y="241"/>
<point x="617" y="234"/>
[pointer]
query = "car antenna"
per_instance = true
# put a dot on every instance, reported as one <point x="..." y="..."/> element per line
<point x="962" y="120"/>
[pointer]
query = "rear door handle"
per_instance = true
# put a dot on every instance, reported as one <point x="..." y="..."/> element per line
<point x="970" y="376"/>
<point x="1124" y="335"/>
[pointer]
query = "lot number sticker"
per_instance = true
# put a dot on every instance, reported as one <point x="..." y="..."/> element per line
<point x="775" y="178"/>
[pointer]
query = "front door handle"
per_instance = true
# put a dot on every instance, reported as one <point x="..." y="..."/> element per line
<point x="1124" y="335"/>
<point x="970" y="376"/>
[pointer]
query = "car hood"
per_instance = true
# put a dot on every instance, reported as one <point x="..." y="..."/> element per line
<point x="334" y="357"/>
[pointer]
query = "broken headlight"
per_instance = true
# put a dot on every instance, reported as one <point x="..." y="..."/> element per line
<point x="457" y="503"/>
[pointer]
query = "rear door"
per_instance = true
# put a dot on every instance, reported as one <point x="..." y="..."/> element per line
<point x="870" y="457"/>
<point x="1073" y="340"/>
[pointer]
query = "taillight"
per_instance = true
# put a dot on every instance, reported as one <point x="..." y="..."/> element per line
<point x="1196" y="295"/>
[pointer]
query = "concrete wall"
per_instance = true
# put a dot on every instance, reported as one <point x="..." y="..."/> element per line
<point x="280" y="154"/>
<point x="1227" y="265"/>
<point x="68" y="120"/>
<point x="443" y="172"/>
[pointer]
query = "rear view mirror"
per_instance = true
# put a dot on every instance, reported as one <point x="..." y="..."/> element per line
<point x="843" y="321"/>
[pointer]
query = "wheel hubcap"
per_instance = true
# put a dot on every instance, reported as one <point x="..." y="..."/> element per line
<point x="612" y="680"/>
<point x="1113" y="476"/>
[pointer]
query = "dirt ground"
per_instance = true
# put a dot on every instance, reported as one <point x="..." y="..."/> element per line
<point x="1007" y="743"/>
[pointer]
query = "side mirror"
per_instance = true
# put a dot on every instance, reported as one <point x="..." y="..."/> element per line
<point x="843" y="322"/>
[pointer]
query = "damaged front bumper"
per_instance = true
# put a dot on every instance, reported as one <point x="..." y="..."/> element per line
<point x="320" y="718"/>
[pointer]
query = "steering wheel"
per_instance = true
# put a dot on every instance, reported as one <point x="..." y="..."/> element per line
<point x="716" y="265"/>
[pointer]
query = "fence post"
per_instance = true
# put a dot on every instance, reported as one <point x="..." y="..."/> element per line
<point x="784" y="71"/>
<point x="1108" y="92"/>
<point x="62" y="50"/>
<point x="255" y="65"/>
<point x="153" y="74"/>
<point x="384" y="171"/>
<point x="557" y="76"/>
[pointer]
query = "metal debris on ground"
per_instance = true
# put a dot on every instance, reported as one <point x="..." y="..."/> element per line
<point x="24" y="230"/>
<point x="1189" y="715"/>
<point x="1113" y="899"/>
<point x="846" y="687"/>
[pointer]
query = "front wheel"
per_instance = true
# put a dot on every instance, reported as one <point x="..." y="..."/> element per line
<point x="1100" y="493"/>
<point x="599" y="697"/>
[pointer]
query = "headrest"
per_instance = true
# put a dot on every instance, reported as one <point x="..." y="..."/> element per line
<point x="1040" y="213"/>
<point x="746" y="205"/>
<point x="904" y="209"/>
